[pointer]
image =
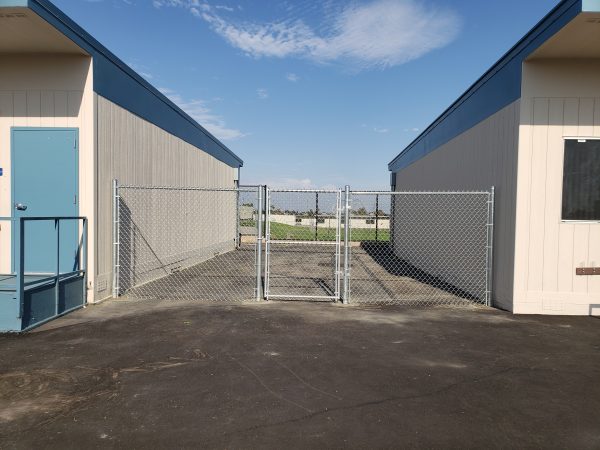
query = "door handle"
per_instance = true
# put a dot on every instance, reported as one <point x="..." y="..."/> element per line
<point x="20" y="206"/>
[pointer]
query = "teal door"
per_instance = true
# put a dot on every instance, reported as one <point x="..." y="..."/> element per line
<point x="45" y="183"/>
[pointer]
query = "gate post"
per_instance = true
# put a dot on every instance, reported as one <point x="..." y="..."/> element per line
<point x="259" y="245"/>
<point x="116" y="241"/>
<point x="267" y="239"/>
<point x="346" y="244"/>
<point x="490" y="247"/>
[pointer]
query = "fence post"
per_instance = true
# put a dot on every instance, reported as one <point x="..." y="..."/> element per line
<point x="116" y="241"/>
<point x="267" y="240"/>
<point x="490" y="247"/>
<point x="238" y="240"/>
<point x="258" y="245"/>
<point x="376" y="217"/>
<point x="346" y="245"/>
<point x="338" y="239"/>
<point x="316" y="216"/>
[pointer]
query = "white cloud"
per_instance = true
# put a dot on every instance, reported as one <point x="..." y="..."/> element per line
<point x="198" y="110"/>
<point x="412" y="130"/>
<point x="377" y="34"/>
<point x="381" y="130"/>
<point x="292" y="77"/>
<point x="262" y="93"/>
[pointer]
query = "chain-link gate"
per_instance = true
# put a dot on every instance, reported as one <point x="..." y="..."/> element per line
<point x="303" y="244"/>
<point x="425" y="248"/>
<point x="188" y="243"/>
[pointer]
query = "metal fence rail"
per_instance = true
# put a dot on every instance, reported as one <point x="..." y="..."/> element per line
<point x="436" y="250"/>
<point x="184" y="243"/>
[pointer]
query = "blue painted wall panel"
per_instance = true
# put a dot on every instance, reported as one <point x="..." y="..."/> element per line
<point x="496" y="89"/>
<point x="117" y="82"/>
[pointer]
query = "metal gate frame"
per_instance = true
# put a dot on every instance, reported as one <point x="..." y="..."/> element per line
<point x="338" y="244"/>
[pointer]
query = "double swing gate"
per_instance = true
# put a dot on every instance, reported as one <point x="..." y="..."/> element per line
<point x="254" y="243"/>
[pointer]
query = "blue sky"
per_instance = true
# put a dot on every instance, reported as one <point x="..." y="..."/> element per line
<point x="310" y="93"/>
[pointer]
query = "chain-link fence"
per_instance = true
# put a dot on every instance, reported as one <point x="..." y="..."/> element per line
<point x="188" y="243"/>
<point x="427" y="248"/>
<point x="303" y="244"/>
<point x="424" y="248"/>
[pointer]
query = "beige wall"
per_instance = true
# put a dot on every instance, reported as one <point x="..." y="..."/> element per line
<point x="45" y="91"/>
<point x="137" y="152"/>
<point x="560" y="98"/>
<point x="483" y="156"/>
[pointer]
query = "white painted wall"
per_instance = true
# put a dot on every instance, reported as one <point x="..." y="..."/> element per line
<point x="46" y="91"/>
<point x="561" y="98"/>
<point x="481" y="157"/>
<point x="137" y="152"/>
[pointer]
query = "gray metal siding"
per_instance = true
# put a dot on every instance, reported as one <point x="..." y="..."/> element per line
<point x="483" y="156"/>
<point x="137" y="152"/>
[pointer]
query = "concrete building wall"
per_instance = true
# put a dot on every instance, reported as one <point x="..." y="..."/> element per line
<point x="481" y="157"/>
<point x="561" y="99"/>
<point x="136" y="152"/>
<point x="46" y="91"/>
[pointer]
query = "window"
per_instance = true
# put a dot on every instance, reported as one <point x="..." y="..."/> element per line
<point x="320" y="220"/>
<point x="370" y="221"/>
<point x="298" y="219"/>
<point x="581" y="180"/>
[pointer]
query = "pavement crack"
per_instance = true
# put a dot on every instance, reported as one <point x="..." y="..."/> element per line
<point x="375" y="402"/>
<point x="268" y="389"/>
<point x="307" y="384"/>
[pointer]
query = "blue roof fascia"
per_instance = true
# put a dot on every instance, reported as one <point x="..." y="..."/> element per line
<point x="117" y="82"/>
<point x="497" y="88"/>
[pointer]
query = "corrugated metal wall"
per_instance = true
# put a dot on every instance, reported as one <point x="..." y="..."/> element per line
<point x="561" y="99"/>
<point x="483" y="156"/>
<point x="137" y="152"/>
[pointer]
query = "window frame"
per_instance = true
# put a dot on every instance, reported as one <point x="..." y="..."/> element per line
<point x="562" y="179"/>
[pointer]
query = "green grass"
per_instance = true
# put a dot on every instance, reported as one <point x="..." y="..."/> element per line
<point x="280" y="231"/>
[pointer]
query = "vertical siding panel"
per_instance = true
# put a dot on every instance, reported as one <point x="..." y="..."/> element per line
<point x="20" y="108"/>
<point x="6" y="121"/>
<point x="523" y="196"/>
<point x="567" y="231"/>
<point x="47" y="109"/>
<point x="586" y="117"/>
<point x="60" y="106"/>
<point x="581" y="240"/>
<point x="34" y="109"/>
<point x="554" y="155"/>
<point x="74" y="103"/>
<point x="564" y="264"/>
<point x="537" y="203"/>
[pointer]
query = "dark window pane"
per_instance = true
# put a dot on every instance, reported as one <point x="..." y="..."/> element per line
<point x="581" y="180"/>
